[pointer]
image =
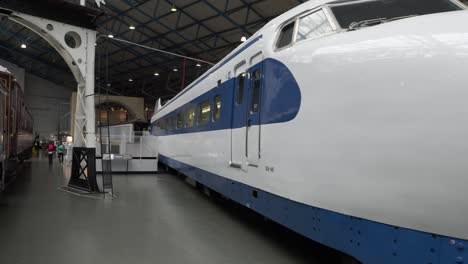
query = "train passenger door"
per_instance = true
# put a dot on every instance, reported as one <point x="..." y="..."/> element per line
<point x="239" y="104"/>
<point x="253" y="125"/>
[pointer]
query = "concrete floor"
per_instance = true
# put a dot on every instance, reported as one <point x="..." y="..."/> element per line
<point x="154" y="219"/>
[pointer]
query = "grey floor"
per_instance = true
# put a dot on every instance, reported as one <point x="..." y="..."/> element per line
<point x="154" y="219"/>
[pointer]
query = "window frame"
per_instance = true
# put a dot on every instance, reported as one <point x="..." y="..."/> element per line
<point x="296" y="19"/>
<point x="333" y="31"/>
<point x="181" y="113"/>
<point x="244" y="76"/>
<point x="199" y="112"/>
<point x="213" y="119"/>
<point x="278" y="34"/>
<point x="187" y="110"/>
<point x="259" y="89"/>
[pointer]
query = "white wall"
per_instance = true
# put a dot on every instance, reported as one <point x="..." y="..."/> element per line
<point x="46" y="101"/>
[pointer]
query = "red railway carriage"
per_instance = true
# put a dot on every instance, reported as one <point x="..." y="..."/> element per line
<point x="16" y="127"/>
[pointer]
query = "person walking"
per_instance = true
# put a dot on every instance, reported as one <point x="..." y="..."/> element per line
<point x="60" y="152"/>
<point x="50" y="151"/>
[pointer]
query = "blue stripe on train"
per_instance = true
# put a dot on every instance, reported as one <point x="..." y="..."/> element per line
<point x="368" y="241"/>
<point x="280" y="101"/>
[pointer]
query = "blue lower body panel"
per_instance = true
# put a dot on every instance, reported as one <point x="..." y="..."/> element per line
<point x="368" y="241"/>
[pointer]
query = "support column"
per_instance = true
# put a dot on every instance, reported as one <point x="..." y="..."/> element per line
<point x="77" y="47"/>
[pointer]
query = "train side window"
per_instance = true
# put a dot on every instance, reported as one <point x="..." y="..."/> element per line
<point x="180" y="120"/>
<point x="173" y="122"/>
<point x="286" y="36"/>
<point x="240" y="88"/>
<point x="204" y="112"/>
<point x="256" y="84"/>
<point x="167" y="121"/>
<point x="217" y="108"/>
<point x="313" y="25"/>
<point x="190" y="117"/>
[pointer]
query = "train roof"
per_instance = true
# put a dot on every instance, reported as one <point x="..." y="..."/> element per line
<point x="4" y="69"/>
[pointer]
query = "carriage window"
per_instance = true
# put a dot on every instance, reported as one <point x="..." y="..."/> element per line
<point x="240" y="88"/>
<point x="217" y="108"/>
<point x="167" y="121"/>
<point x="173" y="122"/>
<point x="190" y="117"/>
<point x="286" y="36"/>
<point x="219" y="83"/>
<point x="256" y="84"/>
<point x="204" y="111"/>
<point x="313" y="25"/>
<point x="163" y="124"/>
<point x="168" y="124"/>
<point x="180" y="120"/>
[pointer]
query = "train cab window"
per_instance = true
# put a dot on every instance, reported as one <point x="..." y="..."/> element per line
<point x="355" y="15"/>
<point x="190" y="117"/>
<point x="180" y="120"/>
<point x="204" y="112"/>
<point x="240" y="88"/>
<point x="286" y="36"/>
<point x="217" y="108"/>
<point x="313" y="25"/>
<point x="256" y="84"/>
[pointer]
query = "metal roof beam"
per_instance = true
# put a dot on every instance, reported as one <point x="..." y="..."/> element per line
<point x="232" y="11"/>
<point x="203" y="38"/>
<point x="228" y="18"/>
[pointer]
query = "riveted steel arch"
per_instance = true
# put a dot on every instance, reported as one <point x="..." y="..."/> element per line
<point x="76" y="45"/>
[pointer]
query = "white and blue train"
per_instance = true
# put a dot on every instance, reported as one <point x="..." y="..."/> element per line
<point x="345" y="121"/>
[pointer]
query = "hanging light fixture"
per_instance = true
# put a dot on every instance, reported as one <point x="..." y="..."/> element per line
<point x="110" y="36"/>
<point x="243" y="39"/>
<point x="130" y="80"/>
<point x="173" y="8"/>
<point x="23" y="46"/>
<point x="156" y="74"/>
<point x="176" y="70"/>
<point x="198" y="65"/>
<point x="131" y="27"/>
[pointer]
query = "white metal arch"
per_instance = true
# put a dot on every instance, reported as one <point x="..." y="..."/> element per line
<point x="78" y="51"/>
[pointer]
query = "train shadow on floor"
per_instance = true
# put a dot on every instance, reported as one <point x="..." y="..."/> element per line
<point x="295" y="244"/>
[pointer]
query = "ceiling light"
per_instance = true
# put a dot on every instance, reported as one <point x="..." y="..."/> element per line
<point x="173" y="9"/>
<point x="108" y="85"/>
<point x="95" y="44"/>
<point x="110" y="36"/>
<point x="130" y="80"/>
<point x="131" y="27"/>
<point x="176" y="70"/>
<point x="198" y="65"/>
<point x="243" y="39"/>
<point x="156" y="74"/>
<point x="23" y="46"/>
